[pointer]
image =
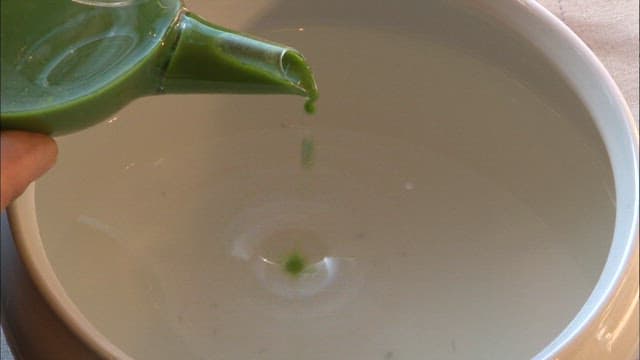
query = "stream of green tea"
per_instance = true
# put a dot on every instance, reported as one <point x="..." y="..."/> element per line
<point x="295" y="66"/>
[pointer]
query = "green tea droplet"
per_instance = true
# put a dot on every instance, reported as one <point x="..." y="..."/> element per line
<point x="298" y="71"/>
<point x="307" y="152"/>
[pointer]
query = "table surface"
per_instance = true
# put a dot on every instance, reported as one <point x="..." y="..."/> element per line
<point x="610" y="29"/>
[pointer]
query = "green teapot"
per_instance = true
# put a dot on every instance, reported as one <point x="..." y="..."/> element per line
<point x="69" y="64"/>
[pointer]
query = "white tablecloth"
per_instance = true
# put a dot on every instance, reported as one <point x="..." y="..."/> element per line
<point x="609" y="27"/>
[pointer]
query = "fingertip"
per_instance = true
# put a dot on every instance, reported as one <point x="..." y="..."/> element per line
<point x="24" y="158"/>
<point x="46" y="149"/>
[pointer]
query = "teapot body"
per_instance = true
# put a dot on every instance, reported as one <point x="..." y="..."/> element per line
<point x="67" y="65"/>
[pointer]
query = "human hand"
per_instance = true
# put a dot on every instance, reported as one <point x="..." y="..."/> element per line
<point x="24" y="157"/>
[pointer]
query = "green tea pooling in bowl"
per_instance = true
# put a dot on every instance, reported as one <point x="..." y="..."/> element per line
<point x="294" y="264"/>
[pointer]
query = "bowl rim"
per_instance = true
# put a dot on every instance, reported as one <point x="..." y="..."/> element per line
<point x="618" y="272"/>
<point x="23" y="223"/>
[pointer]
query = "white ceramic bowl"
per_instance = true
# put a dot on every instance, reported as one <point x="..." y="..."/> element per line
<point x="474" y="194"/>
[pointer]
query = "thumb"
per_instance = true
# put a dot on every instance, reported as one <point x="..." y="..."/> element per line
<point x="23" y="158"/>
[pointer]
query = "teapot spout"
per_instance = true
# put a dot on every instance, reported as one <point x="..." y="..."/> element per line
<point x="210" y="59"/>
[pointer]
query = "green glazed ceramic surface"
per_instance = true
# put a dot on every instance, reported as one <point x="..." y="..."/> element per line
<point x="68" y="65"/>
